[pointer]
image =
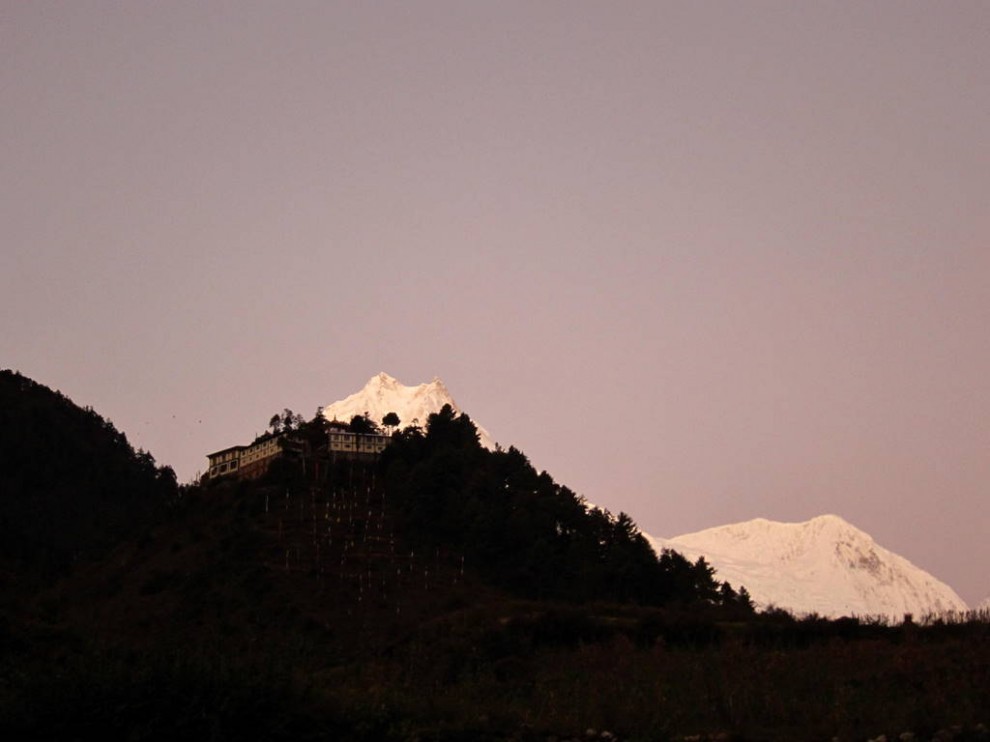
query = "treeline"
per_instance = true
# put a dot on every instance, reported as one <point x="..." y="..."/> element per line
<point x="71" y="485"/>
<point x="524" y="532"/>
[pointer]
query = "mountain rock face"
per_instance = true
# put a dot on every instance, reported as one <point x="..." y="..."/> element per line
<point x="824" y="566"/>
<point x="413" y="404"/>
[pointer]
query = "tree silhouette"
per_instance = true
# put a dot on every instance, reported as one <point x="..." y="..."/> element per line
<point x="363" y="425"/>
<point x="391" y="421"/>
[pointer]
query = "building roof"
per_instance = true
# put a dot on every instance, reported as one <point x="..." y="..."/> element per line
<point x="225" y="450"/>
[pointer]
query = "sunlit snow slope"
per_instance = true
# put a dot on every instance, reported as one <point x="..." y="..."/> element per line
<point x="824" y="566"/>
<point x="413" y="404"/>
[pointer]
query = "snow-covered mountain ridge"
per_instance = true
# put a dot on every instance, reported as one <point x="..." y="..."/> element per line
<point x="413" y="404"/>
<point x="824" y="565"/>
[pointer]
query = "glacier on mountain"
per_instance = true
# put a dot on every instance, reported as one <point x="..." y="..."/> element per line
<point x="825" y="566"/>
<point x="413" y="404"/>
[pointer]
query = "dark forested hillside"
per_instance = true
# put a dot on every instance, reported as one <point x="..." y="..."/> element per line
<point x="524" y="532"/>
<point x="70" y="483"/>
<point x="71" y="486"/>
<point x="443" y="592"/>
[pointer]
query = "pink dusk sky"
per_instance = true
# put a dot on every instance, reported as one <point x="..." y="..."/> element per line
<point x="702" y="261"/>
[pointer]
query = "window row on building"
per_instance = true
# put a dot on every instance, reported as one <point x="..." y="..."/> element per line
<point x="344" y="442"/>
<point x="253" y="460"/>
<point x="240" y="458"/>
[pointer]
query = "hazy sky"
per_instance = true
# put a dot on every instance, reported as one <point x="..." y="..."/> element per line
<point x="701" y="261"/>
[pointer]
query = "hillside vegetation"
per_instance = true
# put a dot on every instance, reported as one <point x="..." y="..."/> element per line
<point x="72" y="486"/>
<point x="524" y="532"/>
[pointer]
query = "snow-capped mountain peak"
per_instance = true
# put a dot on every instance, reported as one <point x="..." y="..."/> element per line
<point x="413" y="404"/>
<point x="824" y="565"/>
<point x="382" y="381"/>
